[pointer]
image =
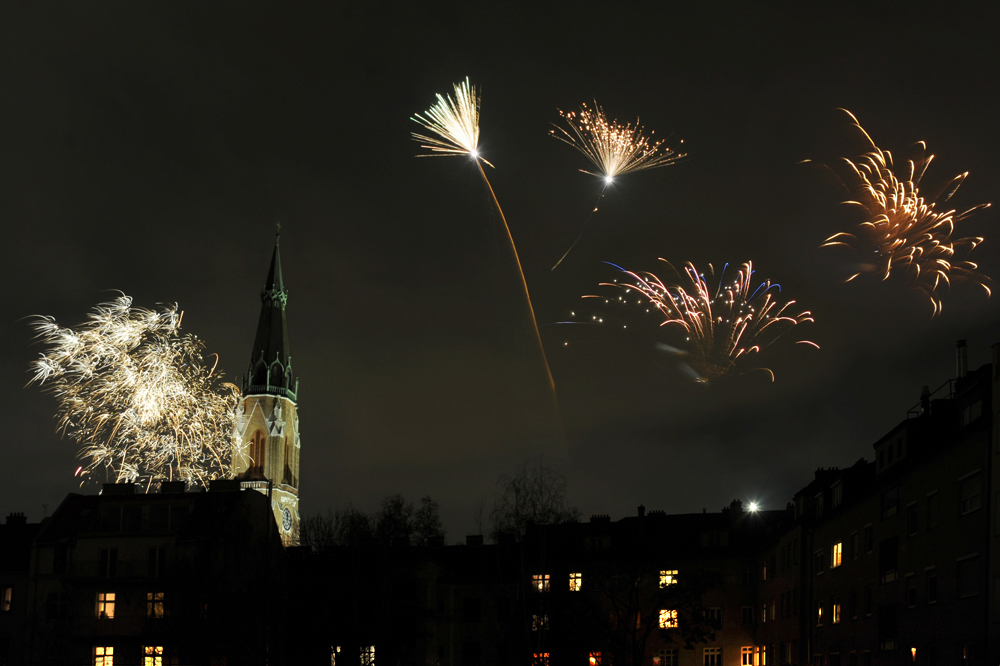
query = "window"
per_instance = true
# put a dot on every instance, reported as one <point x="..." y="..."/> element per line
<point x="540" y="659"/>
<point x="575" y="582"/>
<point x="104" y="656"/>
<point x="836" y="495"/>
<point x="836" y="555"/>
<point x="819" y="613"/>
<point x="595" y="659"/>
<point x="933" y="509"/>
<point x="154" y="604"/>
<point x="713" y="616"/>
<point x="911" y="590"/>
<point x="869" y="538"/>
<point x="772" y="608"/>
<point x="795" y="601"/>
<point x="888" y="559"/>
<point x="930" y="585"/>
<point x="868" y="601"/>
<point x="667" y="657"/>
<point x="6" y="593"/>
<point x="152" y="655"/>
<point x="106" y="605"/>
<point x="761" y="655"/>
<point x="156" y="561"/>
<point x="855" y="546"/>
<point x="835" y="610"/>
<point x="972" y="412"/>
<point x="668" y="577"/>
<point x="818" y="562"/>
<point x="334" y="651"/>
<point x="746" y="656"/>
<point x="256" y="453"/>
<point x="712" y="656"/>
<point x="890" y="502"/>
<point x="668" y="619"/>
<point x="763" y="570"/>
<point x="368" y="655"/>
<point x="967" y="569"/>
<point x="108" y="563"/>
<point x="911" y="518"/>
<point x="852" y="604"/>
<point x="819" y="505"/>
<point x="539" y="622"/>
<point x="747" y="613"/>
<point x="970" y="493"/>
<point x="540" y="582"/>
<point x="763" y="613"/>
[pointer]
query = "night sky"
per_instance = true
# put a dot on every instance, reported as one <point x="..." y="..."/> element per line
<point x="151" y="148"/>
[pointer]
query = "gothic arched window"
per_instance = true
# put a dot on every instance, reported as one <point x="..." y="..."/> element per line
<point x="256" y="453"/>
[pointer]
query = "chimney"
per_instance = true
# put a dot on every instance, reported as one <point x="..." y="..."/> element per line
<point x="642" y="510"/>
<point x="961" y="360"/>
<point x="16" y="519"/>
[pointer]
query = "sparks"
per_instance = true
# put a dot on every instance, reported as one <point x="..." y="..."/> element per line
<point x="902" y="230"/>
<point x="137" y="396"/>
<point x="615" y="149"/>
<point x="720" y="327"/>
<point x="455" y="121"/>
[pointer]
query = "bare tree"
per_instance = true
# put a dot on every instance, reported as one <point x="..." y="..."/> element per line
<point x="533" y="494"/>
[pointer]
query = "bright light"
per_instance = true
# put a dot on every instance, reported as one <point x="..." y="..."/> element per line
<point x="474" y="153"/>
<point x="609" y="180"/>
<point x="753" y="507"/>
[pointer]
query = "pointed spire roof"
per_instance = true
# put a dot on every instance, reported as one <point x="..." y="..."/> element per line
<point x="270" y="361"/>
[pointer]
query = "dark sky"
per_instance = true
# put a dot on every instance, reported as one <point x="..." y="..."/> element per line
<point x="151" y="147"/>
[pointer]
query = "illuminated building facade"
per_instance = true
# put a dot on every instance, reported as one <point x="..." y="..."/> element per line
<point x="268" y="420"/>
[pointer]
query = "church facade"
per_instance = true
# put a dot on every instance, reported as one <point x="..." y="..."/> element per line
<point x="267" y="418"/>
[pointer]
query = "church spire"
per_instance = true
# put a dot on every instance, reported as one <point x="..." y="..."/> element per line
<point x="270" y="370"/>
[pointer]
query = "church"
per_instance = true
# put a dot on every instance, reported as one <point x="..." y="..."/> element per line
<point x="267" y="421"/>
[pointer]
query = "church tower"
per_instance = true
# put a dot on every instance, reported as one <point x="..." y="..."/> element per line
<point x="268" y="420"/>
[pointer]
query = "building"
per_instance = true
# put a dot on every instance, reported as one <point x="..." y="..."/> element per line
<point x="268" y="418"/>
<point x="166" y="578"/>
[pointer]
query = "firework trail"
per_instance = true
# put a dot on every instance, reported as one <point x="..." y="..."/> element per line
<point x="715" y="329"/>
<point x="455" y="123"/>
<point x="902" y="230"/>
<point x="137" y="396"/>
<point x="613" y="148"/>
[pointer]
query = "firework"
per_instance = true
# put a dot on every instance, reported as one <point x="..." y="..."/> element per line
<point x="613" y="148"/>
<point x="137" y="396"/>
<point x="714" y="330"/>
<point x="455" y="122"/>
<point x="904" y="232"/>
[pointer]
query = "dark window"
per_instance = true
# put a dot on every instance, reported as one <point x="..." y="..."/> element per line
<point x="107" y="566"/>
<point x="157" y="561"/>
<point x="911" y="519"/>
<point x="748" y="615"/>
<point x="836" y="495"/>
<point x="472" y="610"/>
<point x="61" y="559"/>
<point x="869" y="538"/>
<point x="868" y="601"/>
<point x="855" y="546"/>
<point x="111" y="518"/>
<point x="968" y="577"/>
<point x="159" y="517"/>
<point x="132" y="518"/>
<point x="970" y="493"/>
<point x="890" y="501"/>
<point x="933" y="510"/>
<point x="818" y="562"/>
<point x="930" y="585"/>
<point x="888" y="559"/>
<point x="887" y="625"/>
<point x="911" y="591"/>
<point x="852" y="604"/>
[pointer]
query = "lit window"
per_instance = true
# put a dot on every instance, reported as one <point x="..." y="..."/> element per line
<point x="106" y="605"/>
<point x="539" y="622"/>
<point x="368" y="655"/>
<point x="104" y="656"/>
<point x="595" y="659"/>
<point x="712" y="656"/>
<point x="540" y="659"/>
<point x="334" y="651"/>
<point x="575" y="582"/>
<point x="667" y="657"/>
<point x="540" y="582"/>
<point x="152" y="655"/>
<point x="762" y="655"/>
<point x="819" y="613"/>
<point x="668" y="619"/>
<point x="837" y="555"/>
<point x="668" y="577"/>
<point x="746" y="656"/>
<point x="5" y="596"/>
<point x="835" y="610"/>
<point x="154" y="604"/>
